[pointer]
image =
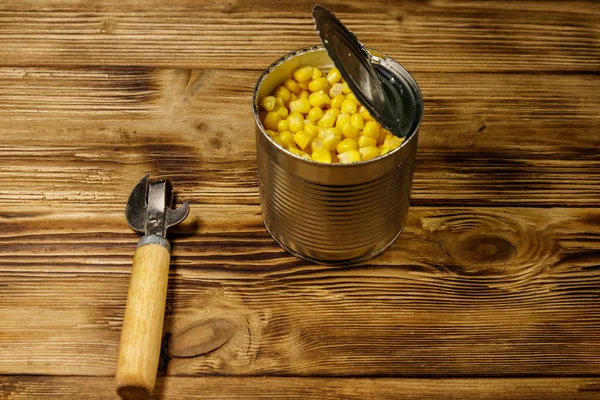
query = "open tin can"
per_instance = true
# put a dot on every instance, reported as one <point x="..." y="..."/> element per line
<point x="335" y="213"/>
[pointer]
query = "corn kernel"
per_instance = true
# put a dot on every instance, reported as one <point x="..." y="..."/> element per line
<point x="321" y="155"/>
<point x="331" y="141"/>
<point x="342" y="120"/>
<point x="291" y="85"/>
<point x="366" y="115"/>
<point x="296" y="122"/>
<point x="368" y="153"/>
<point x="384" y="150"/>
<point x="334" y="76"/>
<point x="292" y="145"/>
<point x="349" y="106"/>
<point x="303" y="94"/>
<point x="319" y="99"/>
<point x="286" y="138"/>
<point x="283" y="125"/>
<point x="283" y="93"/>
<point x="382" y="135"/>
<point x="337" y="101"/>
<point x="317" y="84"/>
<point x="277" y="141"/>
<point x="301" y="139"/>
<point x="271" y="133"/>
<point x="303" y="74"/>
<point x="352" y="97"/>
<point x="295" y="151"/>
<point x="371" y="129"/>
<point x="336" y="89"/>
<point x="345" y="145"/>
<point x="334" y="131"/>
<point x="272" y="120"/>
<point x="365" y="141"/>
<point x="304" y="85"/>
<point x="346" y="88"/>
<point x="282" y="110"/>
<point x="311" y="130"/>
<point x="350" y="131"/>
<point x="349" y="156"/>
<point x="316" y="144"/>
<point x="293" y="97"/>
<point x="268" y="103"/>
<point x="392" y="142"/>
<point x="279" y="102"/>
<point x="329" y="118"/>
<point x="315" y="114"/>
<point x="317" y="73"/>
<point x="301" y="106"/>
<point x="357" y="121"/>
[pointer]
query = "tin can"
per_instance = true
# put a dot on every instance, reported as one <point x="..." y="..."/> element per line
<point x="335" y="213"/>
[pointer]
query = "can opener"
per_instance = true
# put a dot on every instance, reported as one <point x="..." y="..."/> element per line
<point x="148" y="211"/>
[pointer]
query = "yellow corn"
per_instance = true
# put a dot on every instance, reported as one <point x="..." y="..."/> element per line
<point x="319" y="99"/>
<point x="321" y="155"/>
<point x="282" y="110"/>
<point x="350" y="156"/>
<point x="342" y="120"/>
<point x="271" y="133"/>
<point x="295" y="151"/>
<point x="357" y="121"/>
<point x="272" y="120"/>
<point x="303" y="94"/>
<point x="292" y="145"/>
<point x="296" y="122"/>
<point x="328" y="119"/>
<point x="346" y="88"/>
<point x="371" y="129"/>
<point x="334" y="76"/>
<point x="268" y="103"/>
<point x="304" y="85"/>
<point x="283" y="125"/>
<point x="331" y="141"/>
<point x="352" y="97"/>
<point x="365" y="141"/>
<point x="303" y="74"/>
<point x="366" y="116"/>
<point x="291" y="85"/>
<point x="286" y="138"/>
<point x="368" y="153"/>
<point x="311" y="130"/>
<point x="317" y="73"/>
<point x="349" y="106"/>
<point x="316" y="144"/>
<point x="315" y="114"/>
<point x="293" y="97"/>
<point x="317" y="84"/>
<point x="301" y="139"/>
<point x="345" y="145"/>
<point x="392" y="142"/>
<point x="336" y="89"/>
<point x="382" y="135"/>
<point x="337" y="101"/>
<point x="301" y="106"/>
<point x="283" y="93"/>
<point x="350" y="131"/>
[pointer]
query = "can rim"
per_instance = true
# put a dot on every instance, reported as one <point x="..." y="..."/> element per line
<point x="307" y="49"/>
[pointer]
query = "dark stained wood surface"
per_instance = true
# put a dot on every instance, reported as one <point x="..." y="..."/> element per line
<point x="491" y="291"/>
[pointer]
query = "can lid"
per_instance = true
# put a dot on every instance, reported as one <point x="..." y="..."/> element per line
<point x="372" y="89"/>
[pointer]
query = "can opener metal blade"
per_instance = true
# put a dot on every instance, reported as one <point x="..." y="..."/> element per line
<point x="148" y="211"/>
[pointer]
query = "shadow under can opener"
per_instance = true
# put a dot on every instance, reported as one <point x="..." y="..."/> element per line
<point x="148" y="211"/>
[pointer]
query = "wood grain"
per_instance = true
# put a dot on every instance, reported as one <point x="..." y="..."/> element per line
<point x="486" y="139"/>
<point x="464" y="292"/>
<point x="431" y="36"/>
<point x="184" y="388"/>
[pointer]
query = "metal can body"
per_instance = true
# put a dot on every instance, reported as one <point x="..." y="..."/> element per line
<point x="334" y="213"/>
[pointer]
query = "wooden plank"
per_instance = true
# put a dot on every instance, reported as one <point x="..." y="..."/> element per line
<point x="463" y="292"/>
<point x="434" y="36"/>
<point x="486" y="139"/>
<point x="183" y="388"/>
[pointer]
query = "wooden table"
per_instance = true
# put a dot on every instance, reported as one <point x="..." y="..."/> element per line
<point x="492" y="291"/>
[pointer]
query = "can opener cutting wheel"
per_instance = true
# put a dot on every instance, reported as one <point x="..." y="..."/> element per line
<point x="148" y="211"/>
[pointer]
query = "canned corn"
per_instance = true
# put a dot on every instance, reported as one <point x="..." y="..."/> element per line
<point x="335" y="213"/>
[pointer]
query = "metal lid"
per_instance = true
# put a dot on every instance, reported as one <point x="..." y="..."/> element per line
<point x="372" y="89"/>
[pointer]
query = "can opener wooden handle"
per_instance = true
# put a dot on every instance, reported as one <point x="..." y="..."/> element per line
<point x="148" y="211"/>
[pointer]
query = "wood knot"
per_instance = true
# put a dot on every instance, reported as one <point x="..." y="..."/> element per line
<point x="201" y="337"/>
<point x="486" y="249"/>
